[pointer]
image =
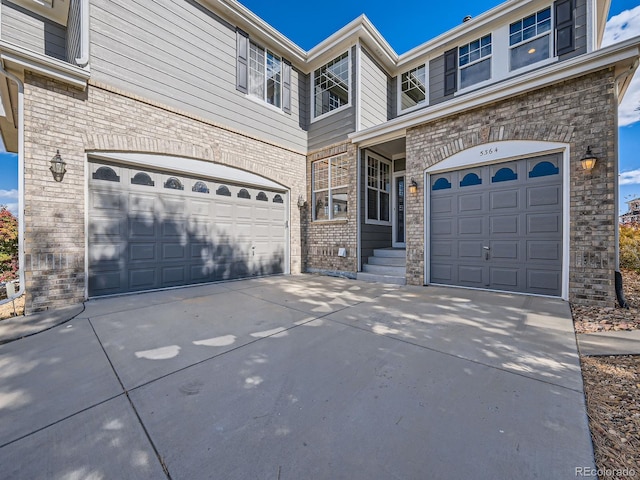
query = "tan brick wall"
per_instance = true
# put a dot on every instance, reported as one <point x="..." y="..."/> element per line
<point x="579" y="112"/>
<point x="324" y="238"/>
<point x="105" y="119"/>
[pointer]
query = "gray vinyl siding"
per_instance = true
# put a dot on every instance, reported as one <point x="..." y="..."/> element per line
<point x="180" y="54"/>
<point x="436" y="81"/>
<point x="373" y="94"/>
<point x="32" y="31"/>
<point x="334" y="127"/>
<point x="371" y="236"/>
<point x="580" y="32"/>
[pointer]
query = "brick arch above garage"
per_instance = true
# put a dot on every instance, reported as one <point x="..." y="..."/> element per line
<point x="483" y="135"/>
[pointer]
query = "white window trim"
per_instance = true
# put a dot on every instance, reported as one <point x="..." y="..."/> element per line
<point x="481" y="59"/>
<point x="263" y="100"/>
<point x="402" y="111"/>
<point x="366" y="190"/>
<point x="350" y="93"/>
<point x="552" y="44"/>
<point x="329" y="189"/>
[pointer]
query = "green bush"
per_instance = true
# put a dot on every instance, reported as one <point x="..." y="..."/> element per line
<point x="630" y="246"/>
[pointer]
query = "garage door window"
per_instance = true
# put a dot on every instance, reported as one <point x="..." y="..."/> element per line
<point x="142" y="178"/>
<point x="200" y="187"/>
<point x="107" y="174"/>
<point x="330" y="188"/>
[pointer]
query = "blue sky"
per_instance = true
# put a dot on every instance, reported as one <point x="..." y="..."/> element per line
<point x="406" y="26"/>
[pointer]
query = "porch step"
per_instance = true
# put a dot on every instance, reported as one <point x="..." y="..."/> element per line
<point x="392" y="261"/>
<point x="392" y="270"/>
<point x="390" y="252"/>
<point x="387" y="265"/>
<point x="373" y="278"/>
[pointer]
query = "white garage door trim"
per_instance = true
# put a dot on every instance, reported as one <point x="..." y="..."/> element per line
<point x="195" y="168"/>
<point x="182" y="165"/>
<point x="498" y="152"/>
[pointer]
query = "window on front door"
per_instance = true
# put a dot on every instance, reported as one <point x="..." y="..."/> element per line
<point x="378" y="190"/>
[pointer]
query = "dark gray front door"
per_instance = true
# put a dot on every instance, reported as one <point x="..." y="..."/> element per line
<point x="150" y="229"/>
<point x="499" y="226"/>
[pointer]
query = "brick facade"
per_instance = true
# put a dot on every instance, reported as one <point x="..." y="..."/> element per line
<point x="323" y="239"/>
<point x="580" y="112"/>
<point x="106" y="119"/>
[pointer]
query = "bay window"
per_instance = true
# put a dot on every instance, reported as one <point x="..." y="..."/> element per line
<point x="413" y="87"/>
<point x="331" y="86"/>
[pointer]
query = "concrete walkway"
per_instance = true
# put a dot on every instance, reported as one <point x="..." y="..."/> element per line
<point x="609" y="343"/>
<point x="298" y="377"/>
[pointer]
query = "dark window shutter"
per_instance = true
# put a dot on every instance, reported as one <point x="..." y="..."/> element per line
<point x="242" y="61"/>
<point x="286" y="86"/>
<point x="564" y="26"/>
<point x="450" y="71"/>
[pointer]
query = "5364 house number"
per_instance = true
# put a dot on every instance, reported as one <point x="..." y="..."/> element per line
<point x="488" y="151"/>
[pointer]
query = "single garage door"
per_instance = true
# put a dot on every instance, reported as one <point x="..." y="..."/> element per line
<point x="150" y="229"/>
<point x="499" y="226"/>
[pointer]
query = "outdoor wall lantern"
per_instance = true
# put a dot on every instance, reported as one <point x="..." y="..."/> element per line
<point x="58" y="167"/>
<point x="413" y="187"/>
<point x="301" y="201"/>
<point x="589" y="160"/>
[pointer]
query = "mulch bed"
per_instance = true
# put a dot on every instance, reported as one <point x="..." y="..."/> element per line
<point x="612" y="387"/>
<point x="597" y="319"/>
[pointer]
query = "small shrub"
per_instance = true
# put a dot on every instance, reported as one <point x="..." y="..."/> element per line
<point x="630" y="246"/>
<point x="8" y="245"/>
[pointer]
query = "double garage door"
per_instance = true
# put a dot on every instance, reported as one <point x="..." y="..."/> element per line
<point x="499" y="226"/>
<point x="150" y="229"/>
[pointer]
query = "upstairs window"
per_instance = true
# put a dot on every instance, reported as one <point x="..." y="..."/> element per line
<point x="265" y="75"/>
<point x="413" y="88"/>
<point x="530" y="39"/>
<point x="330" y="188"/>
<point x="331" y="86"/>
<point x="474" y="60"/>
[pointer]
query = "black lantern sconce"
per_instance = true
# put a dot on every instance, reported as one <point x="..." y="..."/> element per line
<point x="413" y="187"/>
<point x="58" y="167"/>
<point x="589" y="160"/>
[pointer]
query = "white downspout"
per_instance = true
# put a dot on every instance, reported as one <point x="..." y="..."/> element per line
<point x="84" y="34"/>
<point x="21" y="263"/>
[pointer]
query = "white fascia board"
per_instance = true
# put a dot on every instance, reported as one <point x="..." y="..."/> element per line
<point x="602" y="11"/>
<point x="624" y="54"/>
<point x="22" y="59"/>
<point x="359" y="29"/>
<point x="244" y="18"/>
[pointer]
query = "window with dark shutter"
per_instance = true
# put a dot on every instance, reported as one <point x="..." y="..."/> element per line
<point x="450" y="71"/>
<point x="286" y="86"/>
<point x="564" y="26"/>
<point x="242" y="63"/>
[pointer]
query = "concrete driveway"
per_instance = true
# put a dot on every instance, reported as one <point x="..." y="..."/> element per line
<point x="298" y="377"/>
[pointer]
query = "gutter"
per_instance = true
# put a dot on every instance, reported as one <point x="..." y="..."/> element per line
<point x="617" y="54"/>
<point x="21" y="58"/>
<point x="21" y="260"/>
<point x="84" y="34"/>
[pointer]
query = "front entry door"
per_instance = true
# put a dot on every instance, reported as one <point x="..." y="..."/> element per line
<point x="399" y="211"/>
